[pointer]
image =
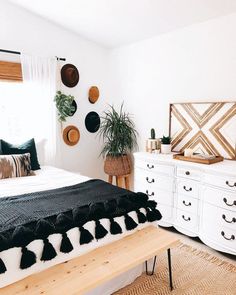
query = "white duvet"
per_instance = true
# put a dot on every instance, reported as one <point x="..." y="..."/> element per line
<point x="50" y="178"/>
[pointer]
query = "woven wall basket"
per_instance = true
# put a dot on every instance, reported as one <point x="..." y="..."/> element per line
<point x="117" y="166"/>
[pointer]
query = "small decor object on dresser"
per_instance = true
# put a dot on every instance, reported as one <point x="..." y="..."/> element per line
<point x="153" y="143"/>
<point x="71" y="135"/>
<point x="92" y="122"/>
<point x="69" y="75"/>
<point x="198" y="158"/>
<point x="120" y="138"/>
<point x="66" y="105"/>
<point x="166" y="145"/>
<point x="93" y="94"/>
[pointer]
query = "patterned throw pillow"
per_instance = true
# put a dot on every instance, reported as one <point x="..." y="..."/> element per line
<point x="15" y="166"/>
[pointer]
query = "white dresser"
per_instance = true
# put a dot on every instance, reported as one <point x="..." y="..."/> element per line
<point x="198" y="200"/>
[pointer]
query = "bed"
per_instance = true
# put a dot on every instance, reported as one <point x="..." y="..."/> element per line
<point x="47" y="179"/>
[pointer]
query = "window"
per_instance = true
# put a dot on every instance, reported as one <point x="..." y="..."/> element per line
<point x="20" y="112"/>
<point x="27" y="110"/>
<point x="14" y="112"/>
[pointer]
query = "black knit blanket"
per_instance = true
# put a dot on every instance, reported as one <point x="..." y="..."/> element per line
<point x="28" y="217"/>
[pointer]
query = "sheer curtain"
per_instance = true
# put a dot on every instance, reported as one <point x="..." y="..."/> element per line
<point x="39" y="80"/>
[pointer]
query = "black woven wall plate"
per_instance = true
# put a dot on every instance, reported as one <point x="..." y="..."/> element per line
<point x="74" y="105"/>
<point x="92" y="122"/>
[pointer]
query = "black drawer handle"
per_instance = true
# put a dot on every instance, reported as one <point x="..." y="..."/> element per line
<point x="228" y="239"/>
<point x="189" y="204"/>
<point x="232" y="221"/>
<point x="150" y="195"/>
<point x="150" y="166"/>
<point x="187" y="190"/>
<point x="230" y="185"/>
<point x="226" y="202"/>
<point x="186" y="219"/>
<point x="187" y="173"/>
<point x="150" y="181"/>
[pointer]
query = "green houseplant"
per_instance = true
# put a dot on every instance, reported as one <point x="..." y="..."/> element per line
<point x="120" y="139"/>
<point x="166" y="145"/>
<point x="65" y="105"/>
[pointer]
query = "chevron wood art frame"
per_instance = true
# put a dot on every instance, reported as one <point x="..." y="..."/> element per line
<point x="208" y="127"/>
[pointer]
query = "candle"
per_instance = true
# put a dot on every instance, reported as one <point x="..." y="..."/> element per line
<point x="188" y="152"/>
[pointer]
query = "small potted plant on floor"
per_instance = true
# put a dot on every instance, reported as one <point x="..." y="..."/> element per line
<point x="166" y="145"/>
<point x="120" y="138"/>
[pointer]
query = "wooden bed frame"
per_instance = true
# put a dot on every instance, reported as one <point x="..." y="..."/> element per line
<point x="90" y="270"/>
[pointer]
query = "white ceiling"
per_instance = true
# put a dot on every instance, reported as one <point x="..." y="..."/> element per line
<point x="114" y="23"/>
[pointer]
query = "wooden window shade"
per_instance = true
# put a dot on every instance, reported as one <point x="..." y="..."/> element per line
<point x="10" y="71"/>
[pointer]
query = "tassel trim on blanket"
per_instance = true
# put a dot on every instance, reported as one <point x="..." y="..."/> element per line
<point x="22" y="235"/>
<point x="3" y="268"/>
<point x="66" y="246"/>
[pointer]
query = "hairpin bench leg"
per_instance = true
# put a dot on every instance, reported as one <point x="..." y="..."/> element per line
<point x="153" y="267"/>
<point x="170" y="270"/>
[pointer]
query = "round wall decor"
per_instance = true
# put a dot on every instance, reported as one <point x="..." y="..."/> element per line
<point x="69" y="75"/>
<point x="71" y="135"/>
<point x="92" y="122"/>
<point x="93" y="94"/>
<point x="75" y="106"/>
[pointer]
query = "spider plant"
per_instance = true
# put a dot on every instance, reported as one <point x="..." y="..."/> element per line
<point x="118" y="133"/>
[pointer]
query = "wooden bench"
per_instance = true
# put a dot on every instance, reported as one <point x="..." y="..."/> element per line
<point x="88" y="271"/>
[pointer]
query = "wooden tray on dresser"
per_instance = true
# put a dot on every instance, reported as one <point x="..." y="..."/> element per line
<point x="198" y="160"/>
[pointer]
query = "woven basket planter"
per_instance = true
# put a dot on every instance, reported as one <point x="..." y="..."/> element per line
<point x="117" y="166"/>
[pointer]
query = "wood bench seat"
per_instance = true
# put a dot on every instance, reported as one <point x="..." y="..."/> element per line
<point x="88" y="271"/>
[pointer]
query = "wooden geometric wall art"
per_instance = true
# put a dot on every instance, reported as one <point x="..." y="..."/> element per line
<point x="208" y="128"/>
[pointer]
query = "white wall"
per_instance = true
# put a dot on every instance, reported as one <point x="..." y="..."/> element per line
<point x="22" y="31"/>
<point x="196" y="63"/>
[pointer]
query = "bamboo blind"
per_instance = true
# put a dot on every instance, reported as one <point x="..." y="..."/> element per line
<point x="10" y="71"/>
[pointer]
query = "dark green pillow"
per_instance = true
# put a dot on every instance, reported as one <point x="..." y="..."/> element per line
<point x="0" y="147"/>
<point x="26" y="147"/>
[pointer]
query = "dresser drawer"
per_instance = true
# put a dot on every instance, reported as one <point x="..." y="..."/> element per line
<point x="225" y="182"/>
<point x="222" y="235"/>
<point x="166" y="212"/>
<point x="186" y="220"/>
<point x="160" y="196"/>
<point x="187" y="204"/>
<point x="153" y="167"/>
<point x="188" y="187"/>
<point x="153" y="180"/>
<point x="189" y="173"/>
<point x="220" y="198"/>
<point x="221" y="217"/>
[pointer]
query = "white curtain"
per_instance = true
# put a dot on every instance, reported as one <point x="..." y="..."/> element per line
<point x="39" y="79"/>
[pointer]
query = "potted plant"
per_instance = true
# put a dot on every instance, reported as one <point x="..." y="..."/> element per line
<point x="65" y="104"/>
<point x="166" y="145"/>
<point x="152" y="144"/>
<point x="120" y="138"/>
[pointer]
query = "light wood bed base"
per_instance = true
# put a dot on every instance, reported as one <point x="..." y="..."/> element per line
<point x="88" y="271"/>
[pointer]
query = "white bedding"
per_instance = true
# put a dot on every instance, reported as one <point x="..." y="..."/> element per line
<point x="50" y="178"/>
<point x="46" y="178"/>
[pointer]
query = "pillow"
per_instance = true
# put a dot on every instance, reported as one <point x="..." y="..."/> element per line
<point x="0" y="147"/>
<point x="26" y="147"/>
<point x="15" y="166"/>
